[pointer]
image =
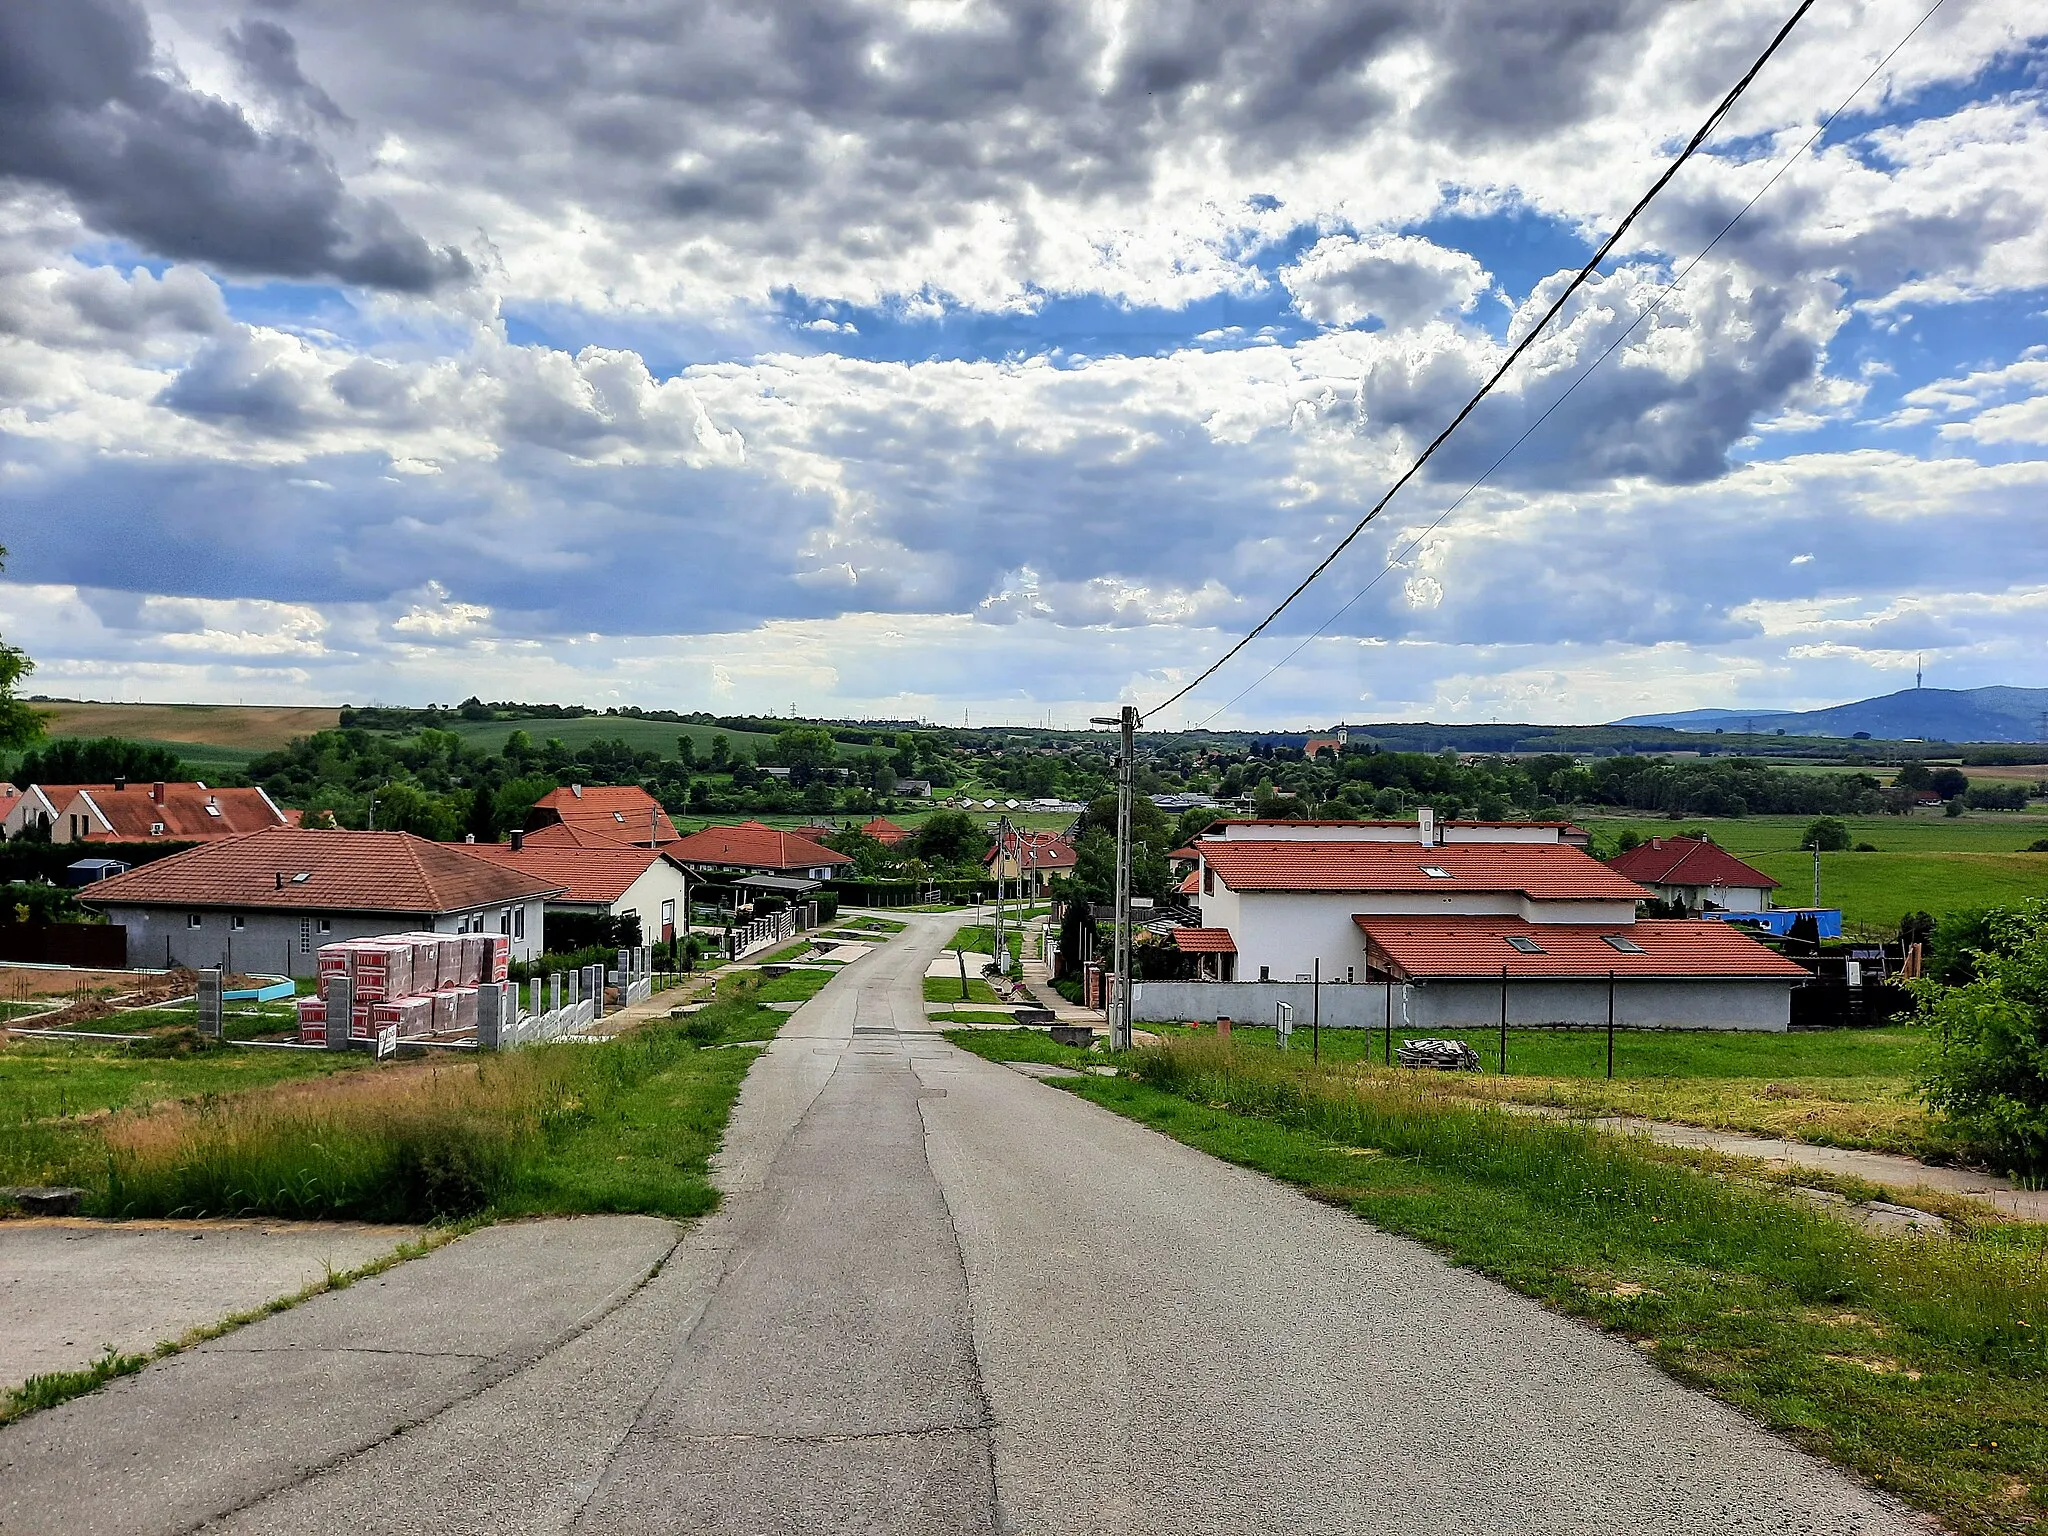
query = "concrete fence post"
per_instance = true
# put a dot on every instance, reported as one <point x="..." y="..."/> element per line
<point x="208" y="1002"/>
<point x="626" y="969"/>
<point x="597" y="991"/>
<point x="340" y="1008"/>
<point x="554" y="991"/>
<point x="490" y="1016"/>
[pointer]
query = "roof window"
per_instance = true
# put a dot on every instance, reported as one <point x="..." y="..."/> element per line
<point x="302" y="877"/>
<point x="1622" y="942"/>
<point x="619" y="816"/>
<point x="156" y="829"/>
<point x="1526" y="945"/>
<point x="1436" y="872"/>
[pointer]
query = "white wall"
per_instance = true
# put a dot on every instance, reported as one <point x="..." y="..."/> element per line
<point x="1443" y="1005"/>
<point x="661" y="881"/>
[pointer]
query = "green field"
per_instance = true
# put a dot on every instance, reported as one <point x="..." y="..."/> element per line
<point x="642" y="735"/>
<point x="1925" y="863"/>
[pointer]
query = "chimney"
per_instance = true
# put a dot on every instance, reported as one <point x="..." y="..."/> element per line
<point x="469" y="837"/>
<point x="156" y="791"/>
<point x="1425" y="826"/>
<point x="280" y="879"/>
<point x="518" y="841"/>
<point x="120" y="781"/>
<point x="576" y="790"/>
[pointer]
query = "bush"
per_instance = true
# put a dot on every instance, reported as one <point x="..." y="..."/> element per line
<point x="1829" y="833"/>
<point x="1989" y="1080"/>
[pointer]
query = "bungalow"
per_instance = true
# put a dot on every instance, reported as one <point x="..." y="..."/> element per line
<point x="755" y="849"/>
<point x="885" y="831"/>
<point x="646" y="884"/>
<point x="1031" y="858"/>
<point x="1463" y="917"/>
<point x="269" y="900"/>
<point x="1696" y="874"/>
<point x="618" y="813"/>
<point x="135" y="813"/>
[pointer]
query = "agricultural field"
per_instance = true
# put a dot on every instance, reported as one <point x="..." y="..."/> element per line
<point x="251" y="728"/>
<point x="1924" y="863"/>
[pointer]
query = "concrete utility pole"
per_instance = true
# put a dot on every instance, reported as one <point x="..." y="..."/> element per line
<point x="1004" y="835"/>
<point x="1120" y="985"/>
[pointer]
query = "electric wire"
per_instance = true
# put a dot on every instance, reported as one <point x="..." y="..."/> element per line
<point x="1395" y="561"/>
<point x="1584" y="273"/>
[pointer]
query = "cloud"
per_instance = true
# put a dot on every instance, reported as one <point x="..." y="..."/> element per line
<point x="88" y="107"/>
<point x="1398" y="279"/>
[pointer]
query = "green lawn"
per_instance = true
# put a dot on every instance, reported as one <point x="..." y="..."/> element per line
<point x="946" y="989"/>
<point x="1020" y="1045"/>
<point x="971" y="1016"/>
<point x="1921" y="832"/>
<point x="1918" y="1364"/>
<point x="789" y="987"/>
<point x="982" y="941"/>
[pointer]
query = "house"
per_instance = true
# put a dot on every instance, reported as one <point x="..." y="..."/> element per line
<point x="1466" y="914"/>
<point x="914" y="789"/>
<point x="10" y="797"/>
<point x="755" y="849"/>
<point x="122" y="812"/>
<point x="885" y="831"/>
<point x="1696" y="874"/>
<point x="614" y="881"/>
<point x="1317" y="745"/>
<point x="1032" y="858"/>
<point x="267" y="901"/>
<point x="619" y="813"/>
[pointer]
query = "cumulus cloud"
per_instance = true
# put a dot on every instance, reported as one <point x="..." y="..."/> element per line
<point x="1398" y="279"/>
<point x="89" y="107"/>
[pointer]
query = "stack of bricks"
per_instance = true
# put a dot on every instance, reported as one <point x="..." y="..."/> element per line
<point x="420" y="983"/>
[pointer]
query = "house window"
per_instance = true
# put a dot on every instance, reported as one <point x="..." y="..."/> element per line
<point x="194" y="920"/>
<point x="156" y="829"/>
<point x="1525" y="944"/>
<point x="1436" y="872"/>
<point x="327" y="925"/>
<point x="519" y="922"/>
<point x="1208" y="881"/>
<point x="1621" y="942"/>
<point x="505" y="921"/>
<point x="305" y="935"/>
<point x="236" y="922"/>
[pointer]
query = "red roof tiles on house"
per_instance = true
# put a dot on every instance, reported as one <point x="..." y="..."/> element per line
<point x="1687" y="861"/>
<point x="627" y="809"/>
<point x="751" y="845"/>
<point x="1552" y="871"/>
<point x="185" y="813"/>
<point x="1439" y="948"/>
<point x="885" y="831"/>
<point x="592" y="877"/>
<point x="1035" y="850"/>
<point x="344" y="872"/>
<point x="1205" y="941"/>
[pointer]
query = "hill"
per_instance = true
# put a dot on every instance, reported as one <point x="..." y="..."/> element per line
<point x="1923" y="714"/>
<point x="251" y="728"/>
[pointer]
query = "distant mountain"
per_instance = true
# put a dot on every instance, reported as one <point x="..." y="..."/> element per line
<point x="1928" y="714"/>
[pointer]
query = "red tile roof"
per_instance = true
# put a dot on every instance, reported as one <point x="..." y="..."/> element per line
<point x="751" y="845"/>
<point x="625" y="808"/>
<point x="345" y="872"/>
<point x="1190" y="883"/>
<point x="1205" y="941"/>
<point x="1051" y="853"/>
<point x="594" y="877"/>
<point x="187" y="813"/>
<point x="1425" y="948"/>
<point x="1687" y="861"/>
<point x="582" y="834"/>
<point x="885" y="831"/>
<point x="1553" y="871"/>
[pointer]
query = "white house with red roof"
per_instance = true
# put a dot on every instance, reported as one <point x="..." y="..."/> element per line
<point x="133" y="812"/>
<point x="1696" y="873"/>
<point x="1030" y="857"/>
<point x="1505" y="910"/>
<point x="615" y="813"/>
<point x="646" y="884"/>
<point x="754" y="848"/>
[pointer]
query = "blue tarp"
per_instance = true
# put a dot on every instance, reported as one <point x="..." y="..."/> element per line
<point x="1779" y="920"/>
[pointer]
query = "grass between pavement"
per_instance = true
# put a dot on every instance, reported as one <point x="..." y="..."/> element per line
<point x="1919" y="1363"/>
<point x="625" y="1126"/>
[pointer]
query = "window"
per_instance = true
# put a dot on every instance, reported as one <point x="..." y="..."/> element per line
<point x="327" y="925"/>
<point x="156" y="829"/>
<point x="1436" y="872"/>
<point x="305" y="935"/>
<point x="1525" y="944"/>
<point x="194" y="920"/>
<point x="1208" y="879"/>
<point x="519" y="922"/>
<point x="1621" y="942"/>
<point x="236" y="922"/>
<point x="505" y="921"/>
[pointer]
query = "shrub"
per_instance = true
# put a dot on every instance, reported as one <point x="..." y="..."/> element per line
<point x="1829" y="833"/>
<point x="1989" y="1079"/>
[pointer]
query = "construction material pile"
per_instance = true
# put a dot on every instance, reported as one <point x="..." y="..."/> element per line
<point x="420" y="983"/>
<point x="1438" y="1055"/>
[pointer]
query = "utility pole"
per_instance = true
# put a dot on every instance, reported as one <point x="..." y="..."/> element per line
<point x="1125" y="719"/>
<point x="1002" y="945"/>
<point x="1816" y="872"/>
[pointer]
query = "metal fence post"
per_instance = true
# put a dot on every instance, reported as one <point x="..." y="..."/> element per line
<point x="1503" y="1021"/>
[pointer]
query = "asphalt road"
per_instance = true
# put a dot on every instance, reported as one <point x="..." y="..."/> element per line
<point x="940" y="1297"/>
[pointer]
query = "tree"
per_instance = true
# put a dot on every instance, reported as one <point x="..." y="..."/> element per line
<point x="950" y="837"/>
<point x="1989" y="1082"/>
<point x="19" y="724"/>
<point x="871" y="857"/>
<point x="1830" y="834"/>
<point x="721" y="754"/>
<point x="473" y="708"/>
<point x="804" y="747"/>
<point x="686" y="751"/>
<point x="100" y="760"/>
<point x="1949" y="782"/>
<point x="483" y="816"/>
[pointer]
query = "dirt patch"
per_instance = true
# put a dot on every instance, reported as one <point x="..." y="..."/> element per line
<point x="260" y="726"/>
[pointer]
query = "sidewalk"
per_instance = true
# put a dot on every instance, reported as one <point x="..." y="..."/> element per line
<point x="1037" y="980"/>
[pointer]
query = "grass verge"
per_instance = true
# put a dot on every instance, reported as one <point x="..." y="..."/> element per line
<point x="1918" y="1363"/>
<point x="946" y="989"/>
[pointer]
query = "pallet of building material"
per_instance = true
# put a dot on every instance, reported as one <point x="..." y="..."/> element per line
<point x="382" y="968"/>
<point x="1438" y="1055"/>
<point x="498" y="960"/>
<point x="454" y="1010"/>
<point x="475" y="956"/>
<point x="312" y="1021"/>
<point x="410" y="1016"/>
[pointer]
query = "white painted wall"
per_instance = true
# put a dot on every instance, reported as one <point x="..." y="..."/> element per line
<point x="661" y="881"/>
<point x="1443" y="1005"/>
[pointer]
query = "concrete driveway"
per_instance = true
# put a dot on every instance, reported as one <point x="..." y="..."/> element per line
<point x="941" y="1296"/>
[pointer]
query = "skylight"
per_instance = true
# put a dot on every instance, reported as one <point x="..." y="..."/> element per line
<point x="1618" y="941"/>
<point x="302" y="877"/>
<point x="1526" y="945"/>
<point x="1436" y="872"/>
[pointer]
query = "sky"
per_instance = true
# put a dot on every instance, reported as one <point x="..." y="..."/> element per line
<point x="991" y="363"/>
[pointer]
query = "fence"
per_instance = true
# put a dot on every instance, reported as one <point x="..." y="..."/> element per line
<point x="909" y="893"/>
<point x="1477" y="1003"/>
<point x="93" y="946"/>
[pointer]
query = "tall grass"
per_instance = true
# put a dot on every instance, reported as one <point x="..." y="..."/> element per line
<point x="1985" y="1299"/>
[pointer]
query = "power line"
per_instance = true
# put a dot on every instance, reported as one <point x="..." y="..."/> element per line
<point x="1692" y="146"/>
<point x="1649" y="312"/>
